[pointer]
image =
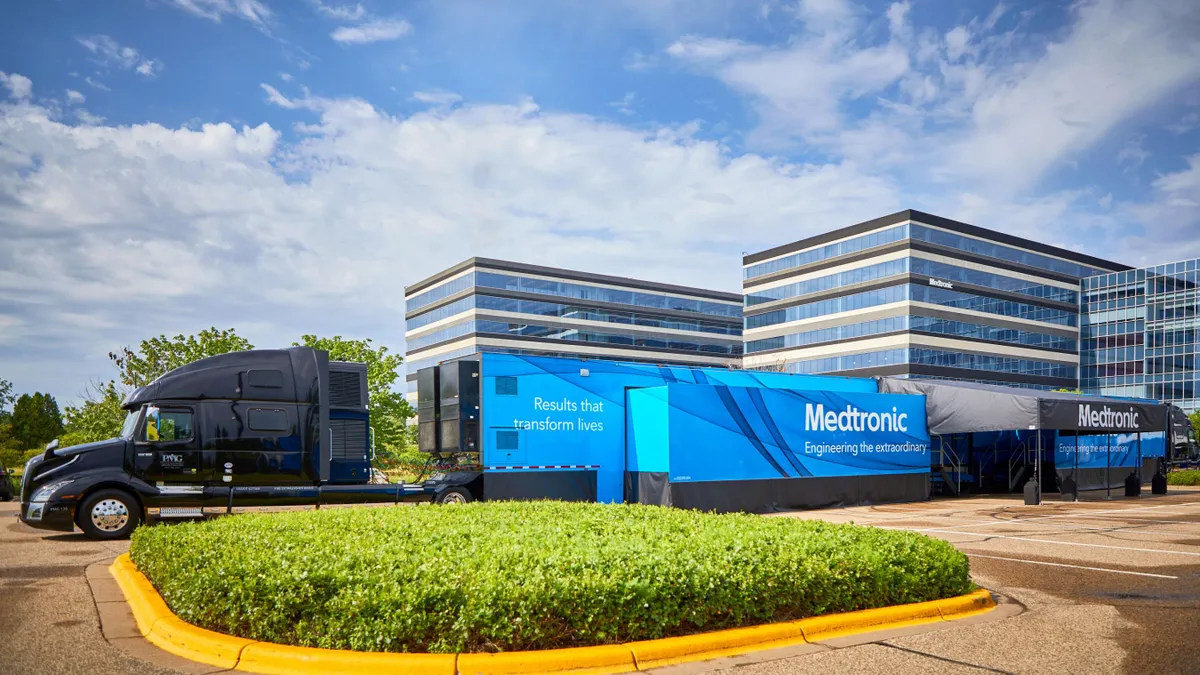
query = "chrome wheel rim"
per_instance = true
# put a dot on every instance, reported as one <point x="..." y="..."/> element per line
<point x="110" y="515"/>
<point x="454" y="498"/>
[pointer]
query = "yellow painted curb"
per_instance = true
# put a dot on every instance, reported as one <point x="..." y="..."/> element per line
<point x="273" y="659"/>
<point x="831" y="626"/>
<point x="703" y="646"/>
<point x="160" y="626"/>
<point x="575" y="661"/>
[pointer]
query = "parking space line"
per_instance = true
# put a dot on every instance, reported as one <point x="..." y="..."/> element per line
<point x="1082" y="514"/>
<point x="1078" y="567"/>
<point x="1046" y="541"/>
<point x="1068" y="528"/>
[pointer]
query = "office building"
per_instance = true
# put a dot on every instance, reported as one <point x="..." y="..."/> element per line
<point x="916" y="295"/>
<point x="484" y="305"/>
<point x="1138" y="332"/>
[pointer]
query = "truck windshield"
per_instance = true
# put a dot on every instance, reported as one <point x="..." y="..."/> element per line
<point x="130" y="422"/>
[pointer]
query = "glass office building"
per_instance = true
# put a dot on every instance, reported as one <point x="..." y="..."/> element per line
<point x="1138" y="331"/>
<point x="484" y="305"/>
<point x="916" y="295"/>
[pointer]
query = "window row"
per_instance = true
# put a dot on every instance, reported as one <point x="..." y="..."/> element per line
<point x="840" y="248"/>
<point x="828" y="282"/>
<point x="1098" y="330"/>
<point x="920" y="324"/>
<point x="1001" y="252"/>
<point x="567" y="311"/>
<point x="573" y="290"/>
<point x="927" y="234"/>
<point x="935" y="357"/>
<point x="1113" y="355"/>
<point x="1131" y="314"/>
<point x="916" y="293"/>
<point x="1183" y="271"/>
<point x="483" y="326"/>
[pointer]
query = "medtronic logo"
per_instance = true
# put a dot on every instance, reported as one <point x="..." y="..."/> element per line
<point x="816" y="418"/>
<point x="1107" y="417"/>
<point x="940" y="284"/>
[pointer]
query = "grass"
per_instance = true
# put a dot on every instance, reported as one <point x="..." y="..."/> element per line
<point x="527" y="575"/>
<point x="1184" y="477"/>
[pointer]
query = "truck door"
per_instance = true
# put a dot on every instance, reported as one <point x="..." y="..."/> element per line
<point x="167" y="447"/>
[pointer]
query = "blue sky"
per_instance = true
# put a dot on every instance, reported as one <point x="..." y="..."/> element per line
<point x="287" y="167"/>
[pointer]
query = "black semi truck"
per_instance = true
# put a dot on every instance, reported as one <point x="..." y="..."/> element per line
<point x="257" y="428"/>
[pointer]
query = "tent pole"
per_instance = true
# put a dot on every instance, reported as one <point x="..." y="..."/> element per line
<point x="1108" y="466"/>
<point x="1139" y="471"/>
<point x="1037" y="465"/>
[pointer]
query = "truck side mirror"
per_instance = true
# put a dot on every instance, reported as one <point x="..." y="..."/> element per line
<point x="51" y="447"/>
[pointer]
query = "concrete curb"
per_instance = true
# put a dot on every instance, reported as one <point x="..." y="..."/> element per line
<point x="159" y="625"/>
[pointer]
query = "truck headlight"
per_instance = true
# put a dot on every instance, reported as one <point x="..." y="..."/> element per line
<point x="44" y="492"/>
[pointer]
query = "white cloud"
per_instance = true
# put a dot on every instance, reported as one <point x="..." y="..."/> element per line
<point x="377" y="30"/>
<point x="1185" y="124"/>
<point x="625" y="105"/>
<point x="340" y="12"/>
<point x="273" y="96"/>
<point x="1133" y="153"/>
<point x="437" y="97"/>
<point x="19" y="86"/>
<point x="286" y="77"/>
<point x="88" y="118"/>
<point x="695" y="48"/>
<point x="253" y="11"/>
<point x="108" y="52"/>
<point x="95" y="84"/>
<point x="1118" y="58"/>
<point x="116" y="233"/>
<point x="976" y="108"/>
<point x="74" y="97"/>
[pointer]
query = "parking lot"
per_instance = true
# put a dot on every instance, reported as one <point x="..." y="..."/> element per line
<point x="1098" y="586"/>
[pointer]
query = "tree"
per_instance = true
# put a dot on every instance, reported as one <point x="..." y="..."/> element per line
<point x="99" y="417"/>
<point x="1069" y="391"/>
<point x="156" y="356"/>
<point x="36" y="420"/>
<point x="6" y="399"/>
<point x="389" y="409"/>
<point x="1195" y="420"/>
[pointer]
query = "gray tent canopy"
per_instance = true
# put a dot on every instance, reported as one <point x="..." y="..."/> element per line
<point x="954" y="407"/>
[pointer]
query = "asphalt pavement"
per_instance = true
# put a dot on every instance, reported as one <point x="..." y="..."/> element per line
<point x="1097" y="586"/>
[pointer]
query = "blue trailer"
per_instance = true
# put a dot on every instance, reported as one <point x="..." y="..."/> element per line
<point x="727" y="440"/>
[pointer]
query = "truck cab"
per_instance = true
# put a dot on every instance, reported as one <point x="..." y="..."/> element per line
<point x="253" y="428"/>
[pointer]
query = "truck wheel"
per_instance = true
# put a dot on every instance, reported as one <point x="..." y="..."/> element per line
<point x="454" y="495"/>
<point x="109" y="514"/>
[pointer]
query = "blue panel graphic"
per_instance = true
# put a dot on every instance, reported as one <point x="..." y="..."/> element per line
<point x="572" y="412"/>
<point x="739" y="433"/>
<point x="647" y="440"/>
<point x="1101" y="450"/>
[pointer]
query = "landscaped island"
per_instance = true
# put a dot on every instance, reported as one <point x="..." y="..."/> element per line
<point x="527" y="575"/>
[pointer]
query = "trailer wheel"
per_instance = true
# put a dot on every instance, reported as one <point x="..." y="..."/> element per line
<point x="454" y="495"/>
<point x="109" y="514"/>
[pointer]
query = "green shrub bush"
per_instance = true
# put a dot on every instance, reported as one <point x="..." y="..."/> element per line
<point x="527" y="575"/>
<point x="1184" y="477"/>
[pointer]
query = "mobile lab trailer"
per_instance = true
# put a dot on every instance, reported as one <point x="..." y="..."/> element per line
<point x="246" y="429"/>
<point x="550" y="427"/>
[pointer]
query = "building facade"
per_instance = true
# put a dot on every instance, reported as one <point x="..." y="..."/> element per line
<point x="485" y="305"/>
<point x="916" y="295"/>
<point x="1138" y="331"/>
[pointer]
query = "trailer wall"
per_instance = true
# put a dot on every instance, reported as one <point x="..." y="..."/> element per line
<point x="760" y="450"/>
<point x="558" y="417"/>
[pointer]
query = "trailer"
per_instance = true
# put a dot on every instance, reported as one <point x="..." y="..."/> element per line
<point x="257" y="428"/>
<point x="709" y="438"/>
